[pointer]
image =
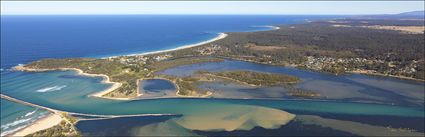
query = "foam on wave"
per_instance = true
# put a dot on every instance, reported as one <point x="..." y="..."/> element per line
<point x="49" y="89"/>
<point x="21" y="122"/>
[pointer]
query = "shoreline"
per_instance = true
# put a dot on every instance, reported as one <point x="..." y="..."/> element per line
<point x="384" y="75"/>
<point x="55" y="118"/>
<point x="116" y="85"/>
<point x="105" y="80"/>
<point x="347" y="72"/>
<point x="220" y="36"/>
<point x="38" y="125"/>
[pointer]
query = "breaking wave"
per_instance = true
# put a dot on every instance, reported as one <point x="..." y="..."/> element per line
<point x="30" y="113"/>
<point x="11" y="131"/>
<point x="49" y="89"/>
<point x="21" y="122"/>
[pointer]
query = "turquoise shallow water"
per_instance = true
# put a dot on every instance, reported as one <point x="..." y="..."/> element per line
<point x="74" y="97"/>
<point x="64" y="90"/>
<point x="67" y="91"/>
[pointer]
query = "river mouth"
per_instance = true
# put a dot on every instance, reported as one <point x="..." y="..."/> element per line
<point x="156" y="88"/>
<point x="74" y="98"/>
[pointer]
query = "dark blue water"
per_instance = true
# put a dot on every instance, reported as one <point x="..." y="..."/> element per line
<point x="126" y="126"/>
<point x="29" y="38"/>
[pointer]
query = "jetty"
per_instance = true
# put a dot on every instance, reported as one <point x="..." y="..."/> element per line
<point x="74" y="113"/>
<point x="27" y="103"/>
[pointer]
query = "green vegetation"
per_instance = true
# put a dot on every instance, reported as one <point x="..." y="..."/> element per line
<point x="126" y="70"/>
<point x="261" y="79"/>
<point x="64" y="129"/>
<point x="185" y="85"/>
<point x="256" y="78"/>
<point x="162" y="65"/>
<point x="301" y="93"/>
<point x="71" y="119"/>
<point x="381" y="51"/>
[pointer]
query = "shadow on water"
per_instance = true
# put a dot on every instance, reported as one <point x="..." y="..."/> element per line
<point x="117" y="126"/>
<point x="416" y="123"/>
<point x="294" y="128"/>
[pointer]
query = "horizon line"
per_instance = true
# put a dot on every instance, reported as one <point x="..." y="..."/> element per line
<point x="200" y="14"/>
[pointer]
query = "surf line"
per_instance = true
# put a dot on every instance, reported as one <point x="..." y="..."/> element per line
<point x="74" y="113"/>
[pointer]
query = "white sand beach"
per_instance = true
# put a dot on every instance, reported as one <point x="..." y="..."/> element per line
<point x="41" y="124"/>
<point x="220" y="36"/>
<point x="105" y="80"/>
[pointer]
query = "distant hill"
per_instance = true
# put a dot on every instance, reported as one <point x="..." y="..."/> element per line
<point x="404" y="15"/>
<point x="413" y="13"/>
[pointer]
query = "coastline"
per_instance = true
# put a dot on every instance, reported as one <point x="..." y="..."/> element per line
<point x="56" y="118"/>
<point x="40" y="124"/>
<point x="384" y="75"/>
<point x="220" y="36"/>
<point x="105" y="79"/>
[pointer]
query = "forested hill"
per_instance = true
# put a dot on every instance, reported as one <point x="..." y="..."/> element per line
<point x="389" y="47"/>
<point x="314" y="38"/>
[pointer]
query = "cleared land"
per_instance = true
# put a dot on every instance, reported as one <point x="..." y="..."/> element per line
<point x="404" y="29"/>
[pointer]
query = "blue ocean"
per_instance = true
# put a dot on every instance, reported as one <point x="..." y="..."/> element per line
<point x="29" y="38"/>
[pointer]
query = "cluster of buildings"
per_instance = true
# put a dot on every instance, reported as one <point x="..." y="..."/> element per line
<point x="208" y="50"/>
<point x="162" y="57"/>
<point x="360" y="65"/>
<point x="319" y="63"/>
<point x="130" y="60"/>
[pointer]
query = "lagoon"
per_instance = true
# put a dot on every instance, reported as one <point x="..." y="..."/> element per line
<point x="156" y="88"/>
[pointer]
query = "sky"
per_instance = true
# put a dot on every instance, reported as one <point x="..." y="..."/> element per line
<point x="210" y="7"/>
